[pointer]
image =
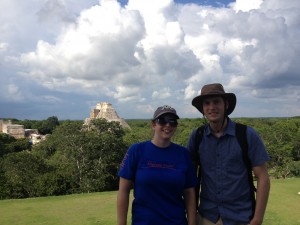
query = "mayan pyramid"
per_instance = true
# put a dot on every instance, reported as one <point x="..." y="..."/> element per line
<point x="105" y="110"/>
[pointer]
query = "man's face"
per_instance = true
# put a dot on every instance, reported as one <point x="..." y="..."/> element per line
<point x="214" y="108"/>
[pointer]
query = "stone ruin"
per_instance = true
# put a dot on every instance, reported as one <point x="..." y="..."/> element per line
<point x="18" y="132"/>
<point x="15" y="130"/>
<point x="105" y="110"/>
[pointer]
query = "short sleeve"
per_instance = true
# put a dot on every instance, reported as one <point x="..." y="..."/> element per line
<point x="257" y="152"/>
<point x="191" y="176"/>
<point x="129" y="163"/>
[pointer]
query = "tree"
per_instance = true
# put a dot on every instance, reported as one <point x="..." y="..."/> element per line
<point x="75" y="159"/>
<point x="19" y="145"/>
<point x="140" y="131"/>
<point x="43" y="126"/>
<point x="278" y="140"/>
<point x="47" y="126"/>
<point x="88" y="159"/>
<point x="5" y="140"/>
<point x="22" y="171"/>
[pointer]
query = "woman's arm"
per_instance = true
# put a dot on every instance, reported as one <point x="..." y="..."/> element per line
<point x="190" y="204"/>
<point x="123" y="200"/>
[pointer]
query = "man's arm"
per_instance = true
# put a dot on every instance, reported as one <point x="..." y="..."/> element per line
<point x="262" y="193"/>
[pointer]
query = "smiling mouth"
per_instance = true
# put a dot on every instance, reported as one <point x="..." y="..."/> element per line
<point x="167" y="131"/>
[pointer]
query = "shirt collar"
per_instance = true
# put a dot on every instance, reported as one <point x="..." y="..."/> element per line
<point x="230" y="129"/>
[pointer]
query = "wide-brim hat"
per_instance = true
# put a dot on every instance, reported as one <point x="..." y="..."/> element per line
<point x="211" y="90"/>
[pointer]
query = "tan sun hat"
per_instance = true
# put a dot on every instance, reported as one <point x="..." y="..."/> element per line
<point x="211" y="90"/>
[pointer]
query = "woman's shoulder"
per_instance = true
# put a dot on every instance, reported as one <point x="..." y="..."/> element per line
<point x="142" y="143"/>
<point x="138" y="146"/>
<point x="179" y="147"/>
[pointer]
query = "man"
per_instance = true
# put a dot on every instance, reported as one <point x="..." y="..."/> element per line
<point x="225" y="197"/>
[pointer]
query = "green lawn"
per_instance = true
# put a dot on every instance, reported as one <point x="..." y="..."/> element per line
<point x="84" y="209"/>
<point x="284" y="203"/>
<point x="100" y="208"/>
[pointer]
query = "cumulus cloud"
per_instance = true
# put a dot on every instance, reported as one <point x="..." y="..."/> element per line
<point x="242" y="5"/>
<point x="148" y="53"/>
<point x="111" y="46"/>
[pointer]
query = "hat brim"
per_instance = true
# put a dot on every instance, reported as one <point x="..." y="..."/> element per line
<point x="164" y="113"/>
<point x="230" y="97"/>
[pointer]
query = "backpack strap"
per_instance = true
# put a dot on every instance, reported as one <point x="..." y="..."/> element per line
<point x="198" y="139"/>
<point x="241" y="135"/>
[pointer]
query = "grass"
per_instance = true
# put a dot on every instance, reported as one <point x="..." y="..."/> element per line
<point x="284" y="203"/>
<point x="100" y="208"/>
<point x="83" y="209"/>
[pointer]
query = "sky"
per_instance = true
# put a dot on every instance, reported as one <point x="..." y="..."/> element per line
<point x="62" y="57"/>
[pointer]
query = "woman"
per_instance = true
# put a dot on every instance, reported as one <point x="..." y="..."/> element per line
<point x="162" y="176"/>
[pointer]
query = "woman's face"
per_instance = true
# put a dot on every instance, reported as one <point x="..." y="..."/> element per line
<point x="164" y="127"/>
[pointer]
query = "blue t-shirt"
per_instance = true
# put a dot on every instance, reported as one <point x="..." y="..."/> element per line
<point x="225" y="189"/>
<point x="160" y="176"/>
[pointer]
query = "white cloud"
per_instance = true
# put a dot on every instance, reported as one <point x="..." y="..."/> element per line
<point x="162" y="94"/>
<point x="150" y="53"/>
<point x="3" y="46"/>
<point x="246" y="5"/>
<point x="14" y="92"/>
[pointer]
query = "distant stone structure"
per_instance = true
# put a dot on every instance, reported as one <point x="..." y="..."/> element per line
<point x="18" y="131"/>
<point x="34" y="136"/>
<point x="105" y="110"/>
<point x="15" y="130"/>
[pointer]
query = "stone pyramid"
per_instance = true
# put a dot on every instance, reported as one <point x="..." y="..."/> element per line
<point x="106" y="111"/>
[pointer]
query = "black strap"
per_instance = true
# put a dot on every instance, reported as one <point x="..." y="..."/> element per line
<point x="198" y="139"/>
<point x="241" y="135"/>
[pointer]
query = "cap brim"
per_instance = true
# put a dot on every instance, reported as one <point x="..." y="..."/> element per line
<point x="163" y="113"/>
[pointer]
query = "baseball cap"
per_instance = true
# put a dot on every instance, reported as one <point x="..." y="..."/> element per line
<point x="164" y="110"/>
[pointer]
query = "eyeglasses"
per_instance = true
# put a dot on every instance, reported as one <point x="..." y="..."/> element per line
<point x="164" y="120"/>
